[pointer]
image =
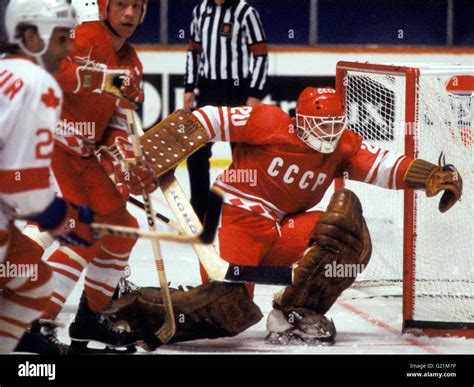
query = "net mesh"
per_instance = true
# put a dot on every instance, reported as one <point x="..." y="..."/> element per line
<point x="444" y="256"/>
<point x="444" y="242"/>
<point x="376" y="112"/>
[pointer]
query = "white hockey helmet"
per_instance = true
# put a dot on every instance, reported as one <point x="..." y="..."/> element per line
<point x="45" y="15"/>
<point x="87" y="10"/>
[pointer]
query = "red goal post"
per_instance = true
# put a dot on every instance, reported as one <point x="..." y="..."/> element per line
<point x="411" y="109"/>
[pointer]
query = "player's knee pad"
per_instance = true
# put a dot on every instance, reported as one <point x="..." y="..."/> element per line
<point x="211" y="310"/>
<point x="340" y="251"/>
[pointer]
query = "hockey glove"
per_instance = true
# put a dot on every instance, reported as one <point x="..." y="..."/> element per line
<point x="135" y="175"/>
<point x="93" y="78"/>
<point x="67" y="222"/>
<point x="126" y="87"/>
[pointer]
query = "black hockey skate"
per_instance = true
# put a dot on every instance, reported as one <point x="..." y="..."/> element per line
<point x="41" y="338"/>
<point x="89" y="326"/>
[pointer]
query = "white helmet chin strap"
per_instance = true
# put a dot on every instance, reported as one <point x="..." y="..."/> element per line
<point x="38" y="56"/>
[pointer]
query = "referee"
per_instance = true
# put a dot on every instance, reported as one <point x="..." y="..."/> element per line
<point x="227" y="60"/>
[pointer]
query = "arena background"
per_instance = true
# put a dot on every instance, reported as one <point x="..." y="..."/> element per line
<point x="307" y="38"/>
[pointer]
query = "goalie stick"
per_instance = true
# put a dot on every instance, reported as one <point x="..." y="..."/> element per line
<point x="168" y="329"/>
<point x="206" y="236"/>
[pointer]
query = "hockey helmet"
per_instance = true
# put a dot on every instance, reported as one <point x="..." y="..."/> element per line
<point x="320" y="118"/>
<point x="45" y="15"/>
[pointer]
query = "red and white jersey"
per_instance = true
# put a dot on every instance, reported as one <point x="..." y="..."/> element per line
<point x="30" y="106"/>
<point x="275" y="174"/>
<point x="86" y="116"/>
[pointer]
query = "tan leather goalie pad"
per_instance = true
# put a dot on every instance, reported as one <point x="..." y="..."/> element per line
<point x="341" y="250"/>
<point x="172" y="140"/>
<point x="211" y="310"/>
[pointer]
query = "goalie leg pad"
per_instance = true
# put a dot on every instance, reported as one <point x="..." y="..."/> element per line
<point x="211" y="310"/>
<point x="341" y="237"/>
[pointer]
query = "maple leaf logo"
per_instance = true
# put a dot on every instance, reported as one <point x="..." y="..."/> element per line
<point x="49" y="99"/>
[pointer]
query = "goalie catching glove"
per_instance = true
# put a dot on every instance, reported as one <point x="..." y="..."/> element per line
<point x="433" y="179"/>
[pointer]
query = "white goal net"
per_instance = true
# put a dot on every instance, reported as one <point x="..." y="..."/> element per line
<point x="425" y="112"/>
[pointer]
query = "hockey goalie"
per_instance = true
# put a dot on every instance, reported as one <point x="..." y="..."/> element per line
<point x="268" y="222"/>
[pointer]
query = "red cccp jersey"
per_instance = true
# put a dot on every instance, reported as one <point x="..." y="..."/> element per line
<point x="274" y="173"/>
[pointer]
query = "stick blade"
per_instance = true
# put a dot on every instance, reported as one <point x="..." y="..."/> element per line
<point x="213" y="215"/>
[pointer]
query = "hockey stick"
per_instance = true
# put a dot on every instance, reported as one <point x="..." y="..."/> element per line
<point x="217" y="268"/>
<point x="206" y="236"/>
<point x="168" y="329"/>
<point x="159" y="216"/>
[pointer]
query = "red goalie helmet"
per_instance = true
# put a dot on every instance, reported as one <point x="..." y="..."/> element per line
<point x="104" y="4"/>
<point x="320" y="118"/>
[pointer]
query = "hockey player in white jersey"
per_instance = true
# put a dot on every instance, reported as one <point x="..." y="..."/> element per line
<point x="30" y="106"/>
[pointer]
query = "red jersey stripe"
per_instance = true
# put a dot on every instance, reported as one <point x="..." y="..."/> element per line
<point x="208" y="122"/>
<point x="23" y="180"/>
<point x="221" y="117"/>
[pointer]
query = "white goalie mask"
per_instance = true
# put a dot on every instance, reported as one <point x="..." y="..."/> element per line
<point x="320" y="118"/>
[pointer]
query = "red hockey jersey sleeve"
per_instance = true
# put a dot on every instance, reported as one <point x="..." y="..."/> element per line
<point x="260" y="125"/>
<point x="373" y="165"/>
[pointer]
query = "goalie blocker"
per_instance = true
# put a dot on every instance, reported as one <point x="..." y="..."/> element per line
<point x="173" y="140"/>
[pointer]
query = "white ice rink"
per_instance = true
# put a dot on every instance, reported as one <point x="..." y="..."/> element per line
<point x="365" y="324"/>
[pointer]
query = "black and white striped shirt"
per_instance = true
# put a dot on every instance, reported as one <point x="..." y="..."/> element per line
<point x="222" y="42"/>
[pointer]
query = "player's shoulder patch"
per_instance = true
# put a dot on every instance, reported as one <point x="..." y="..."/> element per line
<point x="47" y="90"/>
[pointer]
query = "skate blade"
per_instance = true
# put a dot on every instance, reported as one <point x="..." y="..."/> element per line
<point x="80" y="347"/>
<point x="290" y="339"/>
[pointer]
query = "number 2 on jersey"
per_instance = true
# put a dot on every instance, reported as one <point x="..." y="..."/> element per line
<point x="44" y="148"/>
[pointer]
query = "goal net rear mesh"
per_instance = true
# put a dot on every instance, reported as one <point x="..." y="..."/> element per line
<point x="443" y="256"/>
